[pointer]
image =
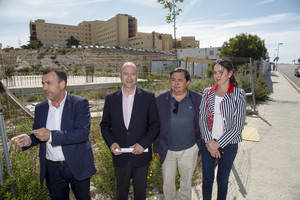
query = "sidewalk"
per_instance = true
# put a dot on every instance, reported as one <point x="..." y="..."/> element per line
<point x="270" y="169"/>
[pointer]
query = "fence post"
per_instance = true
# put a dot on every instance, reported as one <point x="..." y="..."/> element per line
<point x="4" y="139"/>
<point x="251" y="66"/>
<point x="1" y="170"/>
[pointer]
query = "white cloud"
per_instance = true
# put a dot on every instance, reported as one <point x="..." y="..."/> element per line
<point x="13" y="40"/>
<point x="58" y="3"/>
<point x="225" y="14"/>
<point x="256" y="21"/>
<point x="216" y="32"/>
<point x="186" y="9"/>
<point x="151" y="3"/>
<point x="264" y="2"/>
<point x="70" y="3"/>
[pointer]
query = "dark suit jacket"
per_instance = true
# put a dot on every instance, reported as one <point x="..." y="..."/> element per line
<point x="143" y="126"/>
<point x="73" y="137"/>
<point x="161" y="144"/>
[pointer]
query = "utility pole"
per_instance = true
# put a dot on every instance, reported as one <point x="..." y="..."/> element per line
<point x="174" y="15"/>
<point x="280" y="43"/>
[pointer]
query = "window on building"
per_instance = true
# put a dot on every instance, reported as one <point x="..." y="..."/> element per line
<point x="33" y="27"/>
<point x="211" y="52"/>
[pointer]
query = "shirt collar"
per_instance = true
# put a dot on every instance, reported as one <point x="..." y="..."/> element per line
<point x="186" y="96"/>
<point x="61" y="103"/>
<point x="130" y="94"/>
<point x="230" y="88"/>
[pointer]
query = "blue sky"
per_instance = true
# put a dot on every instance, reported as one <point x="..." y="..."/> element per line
<point x="212" y="21"/>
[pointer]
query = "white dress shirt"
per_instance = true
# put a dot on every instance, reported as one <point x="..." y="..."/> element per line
<point x="127" y="107"/>
<point x="54" y="153"/>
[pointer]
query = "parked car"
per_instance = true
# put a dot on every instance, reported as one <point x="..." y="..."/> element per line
<point x="297" y="71"/>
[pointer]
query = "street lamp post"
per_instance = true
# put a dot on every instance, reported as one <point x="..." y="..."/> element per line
<point x="280" y="43"/>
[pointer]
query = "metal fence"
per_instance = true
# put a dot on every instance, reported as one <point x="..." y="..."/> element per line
<point x="15" y="117"/>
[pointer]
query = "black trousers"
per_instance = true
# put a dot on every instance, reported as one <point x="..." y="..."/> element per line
<point x="139" y="181"/>
<point x="58" y="180"/>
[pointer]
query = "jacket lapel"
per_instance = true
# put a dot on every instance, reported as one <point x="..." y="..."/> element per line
<point x="67" y="108"/>
<point x="119" y="106"/>
<point x="44" y="114"/>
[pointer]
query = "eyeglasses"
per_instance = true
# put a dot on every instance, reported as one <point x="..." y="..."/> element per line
<point x="175" y="110"/>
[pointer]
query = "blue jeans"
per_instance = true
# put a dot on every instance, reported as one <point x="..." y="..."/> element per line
<point x="225" y="163"/>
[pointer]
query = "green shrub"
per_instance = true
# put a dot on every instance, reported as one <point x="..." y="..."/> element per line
<point x="24" y="177"/>
<point x="31" y="98"/>
<point x="154" y="178"/>
<point x="25" y="69"/>
<point x="199" y="85"/>
<point x="243" y="81"/>
<point x="209" y="71"/>
<point x="261" y="90"/>
<point x="62" y="50"/>
<point x="104" y="179"/>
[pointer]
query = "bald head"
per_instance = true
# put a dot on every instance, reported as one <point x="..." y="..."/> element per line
<point x="128" y="64"/>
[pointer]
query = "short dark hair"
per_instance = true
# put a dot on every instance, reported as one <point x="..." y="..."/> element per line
<point x="180" y="69"/>
<point x="61" y="74"/>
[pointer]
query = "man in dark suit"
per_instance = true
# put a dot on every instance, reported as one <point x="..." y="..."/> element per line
<point x="130" y="120"/>
<point x="61" y="127"/>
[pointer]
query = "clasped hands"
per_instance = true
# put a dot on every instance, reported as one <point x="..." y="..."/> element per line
<point x="213" y="148"/>
<point x="116" y="150"/>
<point x="24" y="140"/>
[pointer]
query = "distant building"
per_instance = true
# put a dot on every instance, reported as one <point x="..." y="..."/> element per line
<point x="187" y="42"/>
<point x="198" y="69"/>
<point x="211" y="53"/>
<point x="120" y="30"/>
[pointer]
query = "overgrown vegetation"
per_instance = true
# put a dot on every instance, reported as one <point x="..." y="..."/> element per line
<point x="25" y="165"/>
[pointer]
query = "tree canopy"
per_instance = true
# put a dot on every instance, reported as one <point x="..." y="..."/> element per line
<point x="172" y="8"/>
<point x="244" y="45"/>
<point x="72" y="41"/>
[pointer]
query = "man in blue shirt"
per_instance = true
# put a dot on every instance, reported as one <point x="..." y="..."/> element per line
<point x="176" y="145"/>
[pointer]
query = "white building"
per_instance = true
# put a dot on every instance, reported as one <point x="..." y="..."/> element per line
<point x="198" y="69"/>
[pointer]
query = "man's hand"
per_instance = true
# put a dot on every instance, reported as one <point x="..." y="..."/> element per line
<point x="115" y="149"/>
<point x="42" y="134"/>
<point x="137" y="149"/>
<point x="22" y="140"/>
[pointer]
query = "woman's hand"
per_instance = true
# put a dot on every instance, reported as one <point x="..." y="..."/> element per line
<point x="213" y="149"/>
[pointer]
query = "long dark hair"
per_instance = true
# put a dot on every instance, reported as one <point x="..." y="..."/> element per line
<point x="227" y="64"/>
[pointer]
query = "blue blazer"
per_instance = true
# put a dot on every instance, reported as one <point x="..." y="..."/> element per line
<point x="73" y="137"/>
<point x="161" y="144"/>
<point x="143" y="126"/>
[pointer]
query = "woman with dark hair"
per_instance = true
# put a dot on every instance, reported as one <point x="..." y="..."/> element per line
<point x="221" y="120"/>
